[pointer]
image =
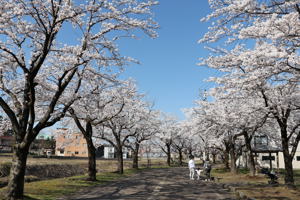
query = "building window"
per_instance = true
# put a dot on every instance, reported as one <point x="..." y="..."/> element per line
<point x="76" y="152"/>
<point x="61" y="151"/>
<point x="298" y="158"/>
<point x="268" y="157"/>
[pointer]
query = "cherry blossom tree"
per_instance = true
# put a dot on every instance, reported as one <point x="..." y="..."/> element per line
<point x="257" y="51"/>
<point x="166" y="135"/>
<point x="144" y="129"/>
<point x="214" y="123"/>
<point x="272" y="25"/>
<point x="38" y="63"/>
<point x="283" y="104"/>
<point x="119" y="129"/>
<point x="99" y="103"/>
<point x="179" y="144"/>
<point x="149" y="148"/>
<point x="186" y="142"/>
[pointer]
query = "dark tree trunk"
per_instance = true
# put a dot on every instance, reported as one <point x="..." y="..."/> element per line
<point x="135" y="164"/>
<point x="168" y="154"/>
<point x="92" y="162"/>
<point x="206" y="155"/>
<point x="226" y="154"/>
<point x="214" y="158"/>
<point x="250" y="154"/>
<point x="91" y="153"/>
<point x="233" y="168"/>
<point x="120" y="160"/>
<point x="15" y="186"/>
<point x="180" y="157"/>
<point x="288" y="161"/>
<point x="289" y="174"/>
<point x="88" y="134"/>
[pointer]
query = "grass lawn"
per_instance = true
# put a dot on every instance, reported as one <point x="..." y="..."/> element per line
<point x="52" y="189"/>
<point x="257" y="187"/>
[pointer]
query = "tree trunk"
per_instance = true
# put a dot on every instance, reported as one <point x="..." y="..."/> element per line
<point x="233" y="168"/>
<point x="168" y="154"/>
<point x="250" y="153"/>
<point x="226" y="159"/>
<point x="92" y="160"/>
<point x="120" y="160"/>
<point x="206" y="155"/>
<point x="226" y="154"/>
<point x="288" y="162"/>
<point x="88" y="133"/>
<point x="15" y="188"/>
<point x="135" y="164"/>
<point x="190" y="151"/>
<point x="180" y="157"/>
<point x="214" y="158"/>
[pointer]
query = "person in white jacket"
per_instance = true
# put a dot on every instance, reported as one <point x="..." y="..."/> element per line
<point x="192" y="167"/>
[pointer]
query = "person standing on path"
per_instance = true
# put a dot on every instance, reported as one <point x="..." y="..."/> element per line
<point x="207" y="169"/>
<point x="192" y="167"/>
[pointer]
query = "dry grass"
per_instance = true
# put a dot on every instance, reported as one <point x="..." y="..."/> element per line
<point x="257" y="187"/>
<point x="102" y="165"/>
<point x="271" y="193"/>
<point x="52" y="189"/>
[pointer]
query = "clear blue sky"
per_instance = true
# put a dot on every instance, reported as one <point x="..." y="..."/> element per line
<point x="168" y="73"/>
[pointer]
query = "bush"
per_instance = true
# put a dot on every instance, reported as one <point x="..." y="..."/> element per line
<point x="54" y="170"/>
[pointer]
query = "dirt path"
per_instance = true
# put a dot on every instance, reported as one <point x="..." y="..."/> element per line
<point x="154" y="184"/>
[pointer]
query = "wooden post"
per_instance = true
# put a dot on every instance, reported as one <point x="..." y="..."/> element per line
<point x="277" y="155"/>
<point x="270" y="161"/>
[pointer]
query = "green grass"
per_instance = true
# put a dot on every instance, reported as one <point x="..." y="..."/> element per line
<point x="297" y="178"/>
<point x="52" y="189"/>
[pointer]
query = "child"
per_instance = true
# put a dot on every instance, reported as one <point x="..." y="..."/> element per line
<point x="192" y="167"/>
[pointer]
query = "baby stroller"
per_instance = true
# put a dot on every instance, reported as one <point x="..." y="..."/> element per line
<point x="271" y="175"/>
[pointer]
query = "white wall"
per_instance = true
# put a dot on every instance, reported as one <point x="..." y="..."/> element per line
<point x="109" y="152"/>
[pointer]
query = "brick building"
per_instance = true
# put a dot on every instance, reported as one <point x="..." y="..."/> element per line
<point x="70" y="144"/>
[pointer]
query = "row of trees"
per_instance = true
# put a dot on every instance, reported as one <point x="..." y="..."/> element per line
<point x="60" y="62"/>
<point x="56" y="56"/>
<point x="254" y="44"/>
<point x="46" y="76"/>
